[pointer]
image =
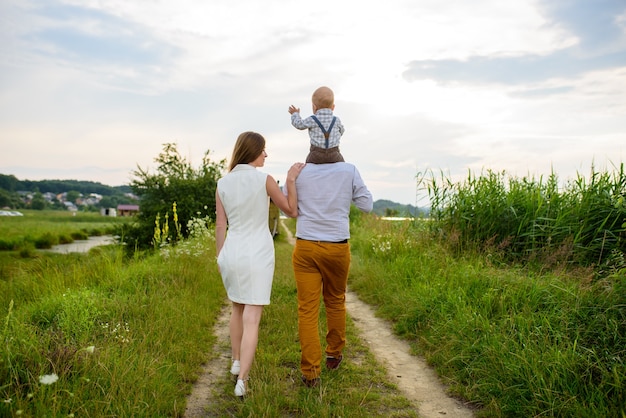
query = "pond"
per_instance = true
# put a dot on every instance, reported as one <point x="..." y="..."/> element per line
<point x="82" y="245"/>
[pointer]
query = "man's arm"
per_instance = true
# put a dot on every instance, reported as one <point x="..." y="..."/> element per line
<point x="361" y="196"/>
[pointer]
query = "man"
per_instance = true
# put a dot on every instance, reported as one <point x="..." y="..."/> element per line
<point x="321" y="258"/>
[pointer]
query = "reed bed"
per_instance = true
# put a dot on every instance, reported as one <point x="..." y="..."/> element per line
<point x="534" y="219"/>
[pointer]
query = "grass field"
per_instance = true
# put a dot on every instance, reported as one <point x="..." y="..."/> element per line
<point x="43" y="229"/>
<point x="128" y="337"/>
<point x="101" y="334"/>
<point x="516" y="340"/>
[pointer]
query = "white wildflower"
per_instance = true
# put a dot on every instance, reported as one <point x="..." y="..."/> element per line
<point x="48" y="379"/>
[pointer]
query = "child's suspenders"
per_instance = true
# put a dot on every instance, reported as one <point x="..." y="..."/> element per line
<point x="324" y="131"/>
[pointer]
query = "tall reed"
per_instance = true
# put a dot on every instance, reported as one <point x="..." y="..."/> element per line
<point x="582" y="222"/>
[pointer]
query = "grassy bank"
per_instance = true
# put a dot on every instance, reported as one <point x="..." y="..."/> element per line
<point x="124" y="338"/>
<point x="516" y="341"/>
<point x="43" y="229"/>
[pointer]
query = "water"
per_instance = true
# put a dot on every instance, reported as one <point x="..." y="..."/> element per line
<point x="82" y="245"/>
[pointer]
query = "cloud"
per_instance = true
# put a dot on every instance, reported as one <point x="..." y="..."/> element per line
<point x="98" y="86"/>
<point x="512" y="70"/>
<point x="600" y="43"/>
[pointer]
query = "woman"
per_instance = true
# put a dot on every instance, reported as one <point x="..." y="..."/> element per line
<point x="245" y="256"/>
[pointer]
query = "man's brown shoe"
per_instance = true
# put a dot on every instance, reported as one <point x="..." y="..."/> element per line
<point x="332" y="363"/>
<point x="311" y="383"/>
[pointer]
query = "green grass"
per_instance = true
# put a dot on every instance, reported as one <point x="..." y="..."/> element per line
<point x="582" y="222"/>
<point x="514" y="340"/>
<point x="43" y="229"/>
<point x="359" y="389"/>
<point x="149" y="321"/>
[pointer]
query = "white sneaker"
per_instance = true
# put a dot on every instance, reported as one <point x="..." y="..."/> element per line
<point x="234" y="369"/>
<point x="240" y="388"/>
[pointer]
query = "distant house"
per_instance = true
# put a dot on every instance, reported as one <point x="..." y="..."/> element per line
<point x="70" y="206"/>
<point x="127" y="210"/>
<point x="108" y="212"/>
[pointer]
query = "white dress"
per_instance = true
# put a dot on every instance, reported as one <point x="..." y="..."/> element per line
<point x="246" y="260"/>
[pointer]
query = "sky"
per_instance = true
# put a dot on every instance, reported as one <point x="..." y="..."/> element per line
<point x="93" y="89"/>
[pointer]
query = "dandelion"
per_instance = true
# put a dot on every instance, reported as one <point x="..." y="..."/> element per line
<point x="48" y="379"/>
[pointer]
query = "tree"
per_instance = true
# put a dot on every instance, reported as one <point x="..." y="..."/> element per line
<point x="8" y="182"/>
<point x="38" y="202"/>
<point x="175" y="182"/>
<point x="5" y="199"/>
<point x="72" y="196"/>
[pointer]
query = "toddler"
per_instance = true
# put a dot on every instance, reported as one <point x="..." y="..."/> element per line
<point x="325" y="129"/>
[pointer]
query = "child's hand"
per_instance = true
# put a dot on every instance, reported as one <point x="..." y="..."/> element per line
<point x="293" y="109"/>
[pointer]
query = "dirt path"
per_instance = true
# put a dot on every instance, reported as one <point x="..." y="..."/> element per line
<point x="201" y="396"/>
<point x="414" y="378"/>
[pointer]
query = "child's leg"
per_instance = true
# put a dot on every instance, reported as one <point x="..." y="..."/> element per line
<point x="319" y="155"/>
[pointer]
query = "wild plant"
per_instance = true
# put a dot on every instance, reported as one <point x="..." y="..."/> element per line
<point x="583" y="221"/>
<point x="201" y="233"/>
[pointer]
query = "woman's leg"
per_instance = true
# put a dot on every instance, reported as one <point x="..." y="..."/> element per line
<point x="236" y="330"/>
<point x="250" y="338"/>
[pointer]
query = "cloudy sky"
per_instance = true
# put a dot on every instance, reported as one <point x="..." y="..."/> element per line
<point x="91" y="89"/>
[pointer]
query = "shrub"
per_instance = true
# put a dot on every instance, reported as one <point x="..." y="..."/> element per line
<point x="175" y="182"/>
<point x="46" y="241"/>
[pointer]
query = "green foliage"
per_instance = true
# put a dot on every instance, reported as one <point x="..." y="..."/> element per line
<point x="46" y="228"/>
<point x="360" y="388"/>
<point x="103" y="335"/>
<point x="72" y="315"/>
<point x="72" y="196"/>
<point x="46" y="240"/>
<point x="514" y="341"/>
<point x="527" y="219"/>
<point x="38" y="202"/>
<point x="6" y="199"/>
<point x="175" y="182"/>
<point x="97" y="334"/>
<point x="11" y="184"/>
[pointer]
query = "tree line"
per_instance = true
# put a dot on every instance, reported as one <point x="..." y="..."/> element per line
<point x="29" y="194"/>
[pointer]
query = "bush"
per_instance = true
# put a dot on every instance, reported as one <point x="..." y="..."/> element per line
<point x="46" y="241"/>
<point x="80" y="235"/>
<point x="176" y="182"/>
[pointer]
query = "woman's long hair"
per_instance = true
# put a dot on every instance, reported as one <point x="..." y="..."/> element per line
<point x="248" y="147"/>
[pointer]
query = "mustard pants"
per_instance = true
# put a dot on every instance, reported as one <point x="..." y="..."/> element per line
<point x="320" y="269"/>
